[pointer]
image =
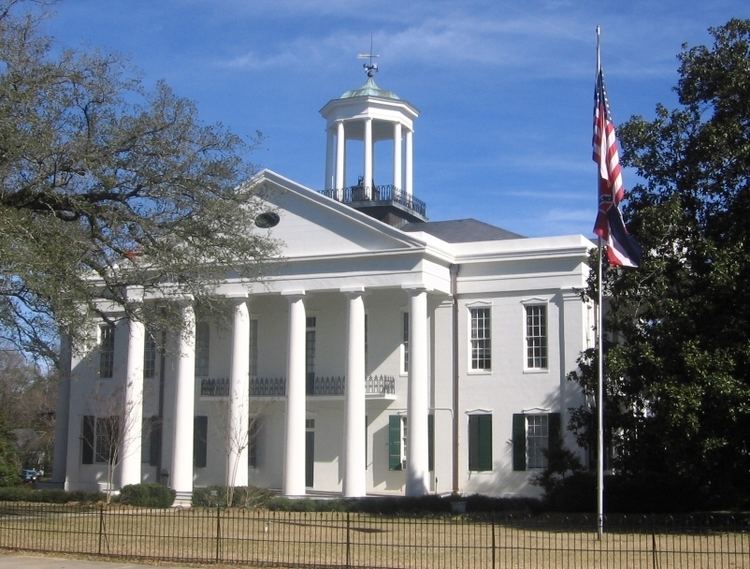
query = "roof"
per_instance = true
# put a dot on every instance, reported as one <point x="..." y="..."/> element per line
<point x="370" y="89"/>
<point x="462" y="230"/>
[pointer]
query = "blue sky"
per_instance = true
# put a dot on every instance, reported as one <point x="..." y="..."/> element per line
<point x="504" y="88"/>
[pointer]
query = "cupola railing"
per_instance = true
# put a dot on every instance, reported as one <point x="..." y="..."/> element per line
<point x="378" y="196"/>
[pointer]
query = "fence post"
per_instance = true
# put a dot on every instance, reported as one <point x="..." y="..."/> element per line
<point x="348" y="541"/>
<point x="101" y="527"/>
<point x="218" y="531"/>
<point x="493" y="541"/>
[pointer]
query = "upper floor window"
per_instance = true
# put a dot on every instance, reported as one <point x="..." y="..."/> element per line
<point x="536" y="336"/>
<point x="106" y="350"/>
<point x="481" y="342"/>
<point x="149" y="355"/>
<point x="404" y="342"/>
<point x="202" y="349"/>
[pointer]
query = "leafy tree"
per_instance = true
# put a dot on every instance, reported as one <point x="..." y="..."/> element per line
<point x="678" y="372"/>
<point x="102" y="180"/>
<point x="27" y="404"/>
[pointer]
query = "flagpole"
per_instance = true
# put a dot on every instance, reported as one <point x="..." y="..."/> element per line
<point x="600" y="381"/>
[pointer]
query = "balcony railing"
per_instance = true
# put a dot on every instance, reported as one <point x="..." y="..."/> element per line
<point x="378" y="195"/>
<point x="382" y="385"/>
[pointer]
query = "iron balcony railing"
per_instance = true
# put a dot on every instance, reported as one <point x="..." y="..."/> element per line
<point x="378" y="195"/>
<point x="316" y="386"/>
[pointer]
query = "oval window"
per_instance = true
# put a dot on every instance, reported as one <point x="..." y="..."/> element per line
<point x="267" y="219"/>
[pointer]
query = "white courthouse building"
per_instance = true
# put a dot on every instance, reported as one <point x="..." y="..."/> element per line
<point x="384" y="354"/>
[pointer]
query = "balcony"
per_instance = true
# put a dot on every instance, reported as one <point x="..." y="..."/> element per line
<point x="379" y="197"/>
<point x="376" y="386"/>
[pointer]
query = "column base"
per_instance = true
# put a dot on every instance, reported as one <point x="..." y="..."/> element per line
<point x="183" y="499"/>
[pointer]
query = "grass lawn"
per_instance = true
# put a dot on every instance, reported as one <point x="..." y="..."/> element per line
<point x="332" y="539"/>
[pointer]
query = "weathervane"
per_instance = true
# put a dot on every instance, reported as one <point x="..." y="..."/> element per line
<point x="370" y="67"/>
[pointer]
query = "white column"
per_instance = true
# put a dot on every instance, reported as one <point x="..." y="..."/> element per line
<point x="340" y="158"/>
<point x="409" y="162"/>
<point x="294" y="450"/>
<point x="328" y="184"/>
<point x="239" y="400"/>
<point x="354" y="450"/>
<point x="181" y="469"/>
<point x="417" y="403"/>
<point x="62" y="413"/>
<point x="132" y="419"/>
<point x="397" y="149"/>
<point x="368" y="158"/>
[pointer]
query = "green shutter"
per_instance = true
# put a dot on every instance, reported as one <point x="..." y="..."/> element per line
<point x="394" y="442"/>
<point x="430" y="442"/>
<point x="87" y="440"/>
<point x="480" y="442"/>
<point x="200" y="441"/>
<point x="519" y="441"/>
<point x="485" y="442"/>
<point x="554" y="422"/>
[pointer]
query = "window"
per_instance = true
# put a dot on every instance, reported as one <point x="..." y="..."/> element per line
<point x="536" y="337"/>
<point x="99" y="439"/>
<point x="149" y="356"/>
<point x="151" y="441"/>
<point x="310" y="354"/>
<point x="404" y="342"/>
<point x="398" y="431"/>
<point x="481" y="344"/>
<point x="480" y="442"/>
<point x="202" y="349"/>
<point x="106" y="350"/>
<point x="200" y="441"/>
<point x="253" y="348"/>
<point x="533" y="436"/>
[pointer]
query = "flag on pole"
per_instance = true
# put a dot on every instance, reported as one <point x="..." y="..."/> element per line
<point x="622" y="248"/>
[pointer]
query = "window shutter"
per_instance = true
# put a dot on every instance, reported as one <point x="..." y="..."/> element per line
<point x="87" y="440"/>
<point x="473" y="442"/>
<point x="155" y="447"/>
<point x="519" y="441"/>
<point x="430" y="442"/>
<point x="200" y="446"/>
<point x="394" y="442"/>
<point x="485" y="442"/>
<point x="554" y="422"/>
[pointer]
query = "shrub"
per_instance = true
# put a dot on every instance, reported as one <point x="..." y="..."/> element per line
<point x="54" y="496"/>
<point x="147" y="495"/>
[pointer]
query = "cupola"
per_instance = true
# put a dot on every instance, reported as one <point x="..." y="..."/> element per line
<point x="368" y="118"/>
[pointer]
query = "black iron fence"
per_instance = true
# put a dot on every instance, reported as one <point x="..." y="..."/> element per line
<point x="336" y="539"/>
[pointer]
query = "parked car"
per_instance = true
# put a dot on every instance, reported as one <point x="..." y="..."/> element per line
<point x="29" y="475"/>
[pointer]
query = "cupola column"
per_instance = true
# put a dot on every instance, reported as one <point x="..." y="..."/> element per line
<point x="367" y="182"/>
<point x="340" y="159"/>
<point x="329" y="183"/>
<point x="409" y="162"/>
<point x="397" y="150"/>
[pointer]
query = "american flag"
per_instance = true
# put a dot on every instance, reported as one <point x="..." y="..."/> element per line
<point x="622" y="249"/>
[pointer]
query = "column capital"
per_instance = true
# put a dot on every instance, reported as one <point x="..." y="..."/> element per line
<point x="415" y="288"/>
<point x="354" y="290"/>
<point x="237" y="298"/>
<point x="134" y="293"/>
<point x="294" y="294"/>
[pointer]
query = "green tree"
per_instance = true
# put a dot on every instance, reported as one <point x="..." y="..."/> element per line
<point x="678" y="374"/>
<point x="104" y="181"/>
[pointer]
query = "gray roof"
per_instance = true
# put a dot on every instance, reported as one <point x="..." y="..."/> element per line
<point x="370" y="89"/>
<point x="462" y="230"/>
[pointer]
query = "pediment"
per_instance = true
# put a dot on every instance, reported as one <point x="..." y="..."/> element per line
<point x="310" y="224"/>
